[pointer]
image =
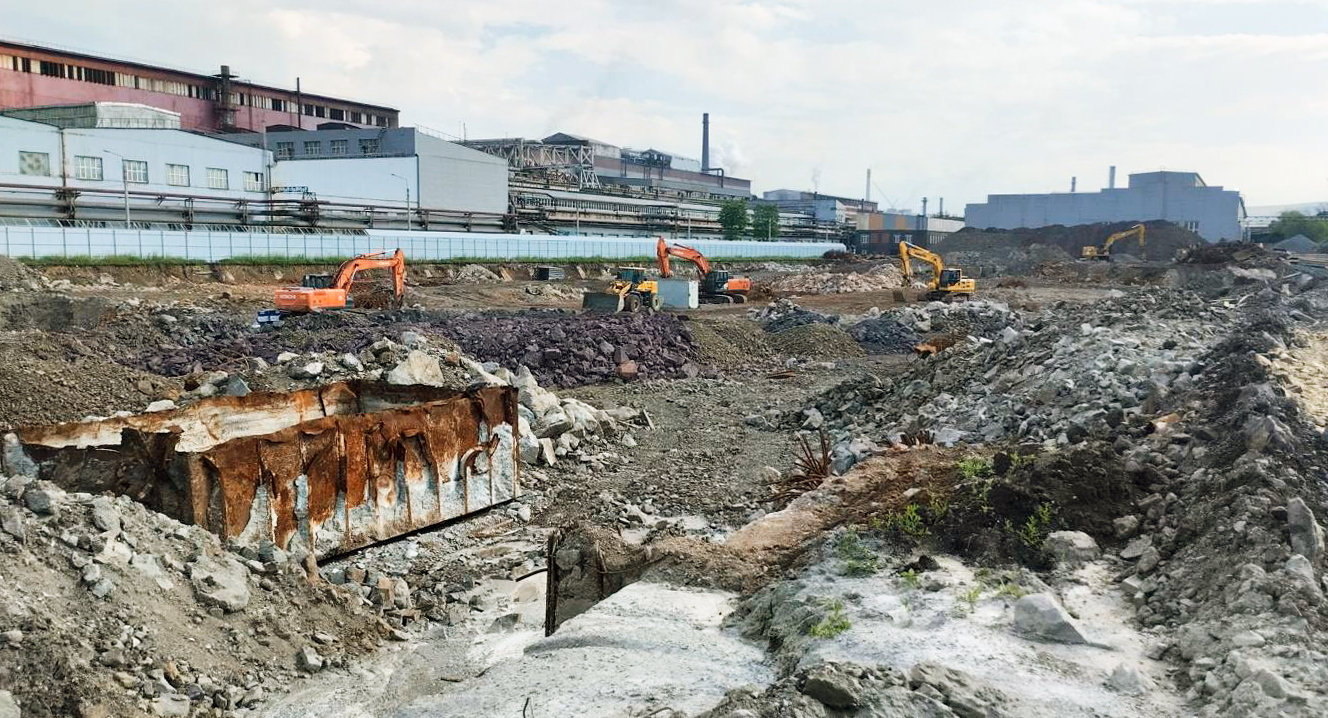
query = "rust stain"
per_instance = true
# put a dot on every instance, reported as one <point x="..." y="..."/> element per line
<point x="335" y="478"/>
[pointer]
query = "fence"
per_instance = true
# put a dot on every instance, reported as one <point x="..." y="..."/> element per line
<point x="212" y="246"/>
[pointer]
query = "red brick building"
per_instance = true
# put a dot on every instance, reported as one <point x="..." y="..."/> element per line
<point x="32" y="76"/>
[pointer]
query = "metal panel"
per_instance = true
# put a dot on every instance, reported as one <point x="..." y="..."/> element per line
<point x="324" y="470"/>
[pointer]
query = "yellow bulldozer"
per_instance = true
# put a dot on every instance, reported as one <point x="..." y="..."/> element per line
<point x="632" y="291"/>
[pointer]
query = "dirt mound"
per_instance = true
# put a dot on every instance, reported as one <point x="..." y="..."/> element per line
<point x="15" y="275"/>
<point x="476" y="274"/>
<point x="724" y="346"/>
<point x="1164" y="240"/>
<point x="815" y="341"/>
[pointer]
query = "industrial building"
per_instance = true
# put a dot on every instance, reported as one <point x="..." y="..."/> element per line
<point x="95" y="163"/>
<point x="881" y="232"/>
<point x="1214" y="213"/>
<point x="822" y="207"/>
<point x="35" y="76"/>
<point x="568" y="161"/>
<point x="384" y="166"/>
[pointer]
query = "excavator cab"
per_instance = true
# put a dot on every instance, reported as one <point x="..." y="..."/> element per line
<point x="317" y="281"/>
<point x="635" y="275"/>
<point x="951" y="277"/>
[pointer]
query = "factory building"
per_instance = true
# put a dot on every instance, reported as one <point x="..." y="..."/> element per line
<point x="567" y="161"/>
<point x="822" y="207"/>
<point x="1214" y="213"/>
<point x="343" y="163"/>
<point x="34" y="76"/>
<point x="112" y="159"/>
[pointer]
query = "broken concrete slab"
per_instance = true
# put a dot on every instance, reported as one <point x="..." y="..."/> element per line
<point x="1040" y="617"/>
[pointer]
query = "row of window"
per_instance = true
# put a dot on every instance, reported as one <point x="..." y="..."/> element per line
<point x="336" y="148"/>
<point x="89" y="168"/>
<point x="183" y="89"/>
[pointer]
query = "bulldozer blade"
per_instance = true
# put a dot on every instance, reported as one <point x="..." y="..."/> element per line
<point x="602" y="302"/>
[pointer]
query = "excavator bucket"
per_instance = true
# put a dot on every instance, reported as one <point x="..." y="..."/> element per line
<point x="602" y="302"/>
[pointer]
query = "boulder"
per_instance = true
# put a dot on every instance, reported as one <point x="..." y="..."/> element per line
<point x="220" y="581"/>
<point x="1040" y="617"/>
<point x="552" y="424"/>
<point x="235" y="386"/>
<point x="833" y="686"/>
<point x="1306" y="534"/>
<point x="308" y="660"/>
<point x="305" y="371"/>
<point x="1071" y="547"/>
<point x="416" y="368"/>
<point x="104" y="515"/>
<point x="964" y="695"/>
<point x="1129" y="680"/>
<point x="8" y="708"/>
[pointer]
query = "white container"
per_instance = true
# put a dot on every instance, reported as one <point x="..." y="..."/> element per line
<point x="679" y="293"/>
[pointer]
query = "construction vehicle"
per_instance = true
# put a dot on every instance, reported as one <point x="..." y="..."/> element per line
<point x="946" y="284"/>
<point x="632" y="291"/>
<point x="320" y="292"/>
<point x="717" y="286"/>
<point x="1103" y="252"/>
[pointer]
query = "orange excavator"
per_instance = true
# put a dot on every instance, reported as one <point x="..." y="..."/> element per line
<point x="319" y="292"/>
<point x="717" y="287"/>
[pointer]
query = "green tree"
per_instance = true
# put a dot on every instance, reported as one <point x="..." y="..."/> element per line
<point x="765" y="221"/>
<point x="1290" y="224"/>
<point x="733" y="218"/>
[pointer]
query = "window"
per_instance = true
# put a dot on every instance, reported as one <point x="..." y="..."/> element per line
<point x="336" y="114"/>
<point x="313" y="148"/>
<point x="88" y="168"/>
<point x="340" y="147"/>
<point x="34" y="163"/>
<point x="253" y="181"/>
<point x="136" y="171"/>
<point x="308" y="110"/>
<point x="217" y="178"/>
<point x="177" y="175"/>
<point x="285" y="150"/>
<point x="369" y="147"/>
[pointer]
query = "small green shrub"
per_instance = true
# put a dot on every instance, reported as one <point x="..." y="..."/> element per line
<point x="937" y="508"/>
<point x="975" y="467"/>
<point x="909" y="522"/>
<point x="1018" y="461"/>
<point x="1036" y="527"/>
<point x="833" y="623"/>
<point x="911" y="579"/>
<point x="858" y="559"/>
<point x="1011" y="591"/>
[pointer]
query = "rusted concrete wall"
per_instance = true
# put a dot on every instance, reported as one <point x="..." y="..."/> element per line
<point x="324" y="470"/>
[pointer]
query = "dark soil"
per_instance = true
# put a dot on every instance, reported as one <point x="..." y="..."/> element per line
<point x="1163" y="240"/>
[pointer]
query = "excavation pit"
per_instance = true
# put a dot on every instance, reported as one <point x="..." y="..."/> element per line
<point x="323" y="470"/>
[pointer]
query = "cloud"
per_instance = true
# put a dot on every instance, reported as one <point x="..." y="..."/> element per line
<point x="951" y="98"/>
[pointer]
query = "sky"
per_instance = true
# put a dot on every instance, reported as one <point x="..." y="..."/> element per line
<point x="939" y="98"/>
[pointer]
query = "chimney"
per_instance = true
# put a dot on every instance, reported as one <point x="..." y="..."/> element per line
<point x="1074" y="182"/>
<point x="941" y="212"/>
<point x="1111" y="178"/>
<point x="705" y="142"/>
<point x="867" y="196"/>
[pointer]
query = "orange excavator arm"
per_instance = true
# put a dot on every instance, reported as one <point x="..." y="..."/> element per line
<point x="345" y="276"/>
<point x="666" y="250"/>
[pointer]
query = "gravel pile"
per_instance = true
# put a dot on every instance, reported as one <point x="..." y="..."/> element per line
<point x="815" y="341"/>
<point x="786" y="314"/>
<point x="884" y="335"/>
<point x="476" y="274"/>
<point x="882" y="277"/>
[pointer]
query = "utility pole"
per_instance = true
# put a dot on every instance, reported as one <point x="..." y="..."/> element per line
<point x="124" y="180"/>
<point x="409" y="226"/>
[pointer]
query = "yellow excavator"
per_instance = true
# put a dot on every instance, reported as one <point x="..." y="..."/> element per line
<point x="632" y="291"/>
<point x="947" y="284"/>
<point x="1104" y="252"/>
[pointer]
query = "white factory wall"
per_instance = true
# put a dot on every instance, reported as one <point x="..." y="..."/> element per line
<point x="458" y="178"/>
<point x="1213" y="212"/>
<point x="159" y="148"/>
<point x="155" y="147"/>
<point x="355" y="179"/>
<point x="418" y="246"/>
<point x="19" y="136"/>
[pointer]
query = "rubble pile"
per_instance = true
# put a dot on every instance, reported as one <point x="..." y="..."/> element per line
<point x="122" y="611"/>
<point x="884" y="335"/>
<point x="573" y="349"/>
<point x="476" y="274"/>
<point x="881" y="277"/>
<point x="786" y="314"/>
<point x="1053" y="377"/>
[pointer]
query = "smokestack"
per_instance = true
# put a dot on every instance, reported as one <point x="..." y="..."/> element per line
<point x="1074" y="182"/>
<point x="1111" y="178"/>
<point x="705" y="142"/>
<point x="941" y="210"/>
<point x="867" y="196"/>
